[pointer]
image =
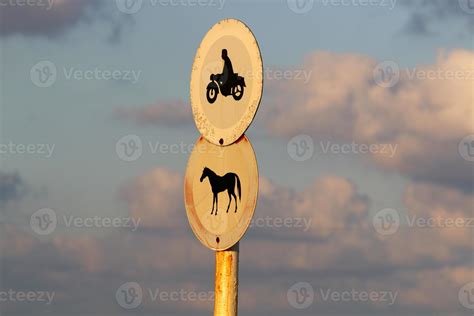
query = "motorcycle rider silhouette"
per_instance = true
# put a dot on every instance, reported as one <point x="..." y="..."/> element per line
<point x="228" y="82"/>
<point x="227" y="71"/>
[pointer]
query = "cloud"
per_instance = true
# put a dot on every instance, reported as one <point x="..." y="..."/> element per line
<point x="51" y="18"/>
<point x="156" y="198"/>
<point x="341" y="251"/>
<point x="163" y="113"/>
<point x="330" y="204"/>
<point x="15" y="242"/>
<point x="68" y="263"/>
<point x="329" y="218"/>
<point x="437" y="202"/>
<point x="342" y="232"/>
<point x="12" y="187"/>
<point x="426" y="265"/>
<point x="417" y="25"/>
<point x="427" y="14"/>
<point x="425" y="118"/>
<point x="83" y="251"/>
<point x="435" y="289"/>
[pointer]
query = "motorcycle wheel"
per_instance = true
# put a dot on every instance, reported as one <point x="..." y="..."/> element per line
<point x="211" y="95"/>
<point x="238" y="92"/>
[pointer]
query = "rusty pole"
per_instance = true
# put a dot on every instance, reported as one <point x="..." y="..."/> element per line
<point x="227" y="282"/>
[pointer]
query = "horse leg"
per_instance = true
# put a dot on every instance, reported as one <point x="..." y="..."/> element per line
<point x="213" y="203"/>
<point x="228" y="205"/>
<point x="235" y="198"/>
<point x="217" y="203"/>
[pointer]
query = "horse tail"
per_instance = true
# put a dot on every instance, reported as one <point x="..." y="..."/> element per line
<point x="238" y="186"/>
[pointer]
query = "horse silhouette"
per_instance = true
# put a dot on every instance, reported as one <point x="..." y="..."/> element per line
<point x="220" y="184"/>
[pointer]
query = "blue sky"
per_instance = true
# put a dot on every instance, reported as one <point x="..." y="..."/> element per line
<point x="337" y="45"/>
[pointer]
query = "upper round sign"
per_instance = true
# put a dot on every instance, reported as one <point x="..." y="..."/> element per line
<point x="226" y="82"/>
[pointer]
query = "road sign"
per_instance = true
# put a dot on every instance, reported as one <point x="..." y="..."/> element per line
<point x="226" y="82"/>
<point x="220" y="191"/>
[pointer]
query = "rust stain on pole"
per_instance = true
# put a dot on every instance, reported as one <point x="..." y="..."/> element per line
<point x="226" y="288"/>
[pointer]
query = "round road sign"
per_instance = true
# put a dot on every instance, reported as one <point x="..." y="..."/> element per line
<point x="220" y="191"/>
<point x="226" y="82"/>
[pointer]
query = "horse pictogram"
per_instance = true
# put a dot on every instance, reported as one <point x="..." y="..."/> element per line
<point x="220" y="184"/>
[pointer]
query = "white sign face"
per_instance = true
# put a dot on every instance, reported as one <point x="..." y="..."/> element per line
<point x="220" y="192"/>
<point x="226" y="82"/>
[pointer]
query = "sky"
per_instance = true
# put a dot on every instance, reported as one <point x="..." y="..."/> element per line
<point x="364" y="140"/>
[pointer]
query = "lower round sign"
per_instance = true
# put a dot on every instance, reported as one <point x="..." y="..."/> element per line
<point x="220" y="191"/>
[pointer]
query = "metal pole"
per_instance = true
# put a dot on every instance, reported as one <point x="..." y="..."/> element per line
<point x="227" y="282"/>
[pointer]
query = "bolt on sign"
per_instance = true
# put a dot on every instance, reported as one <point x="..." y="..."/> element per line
<point x="221" y="181"/>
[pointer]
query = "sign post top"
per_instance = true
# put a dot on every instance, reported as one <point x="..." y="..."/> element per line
<point x="226" y="82"/>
